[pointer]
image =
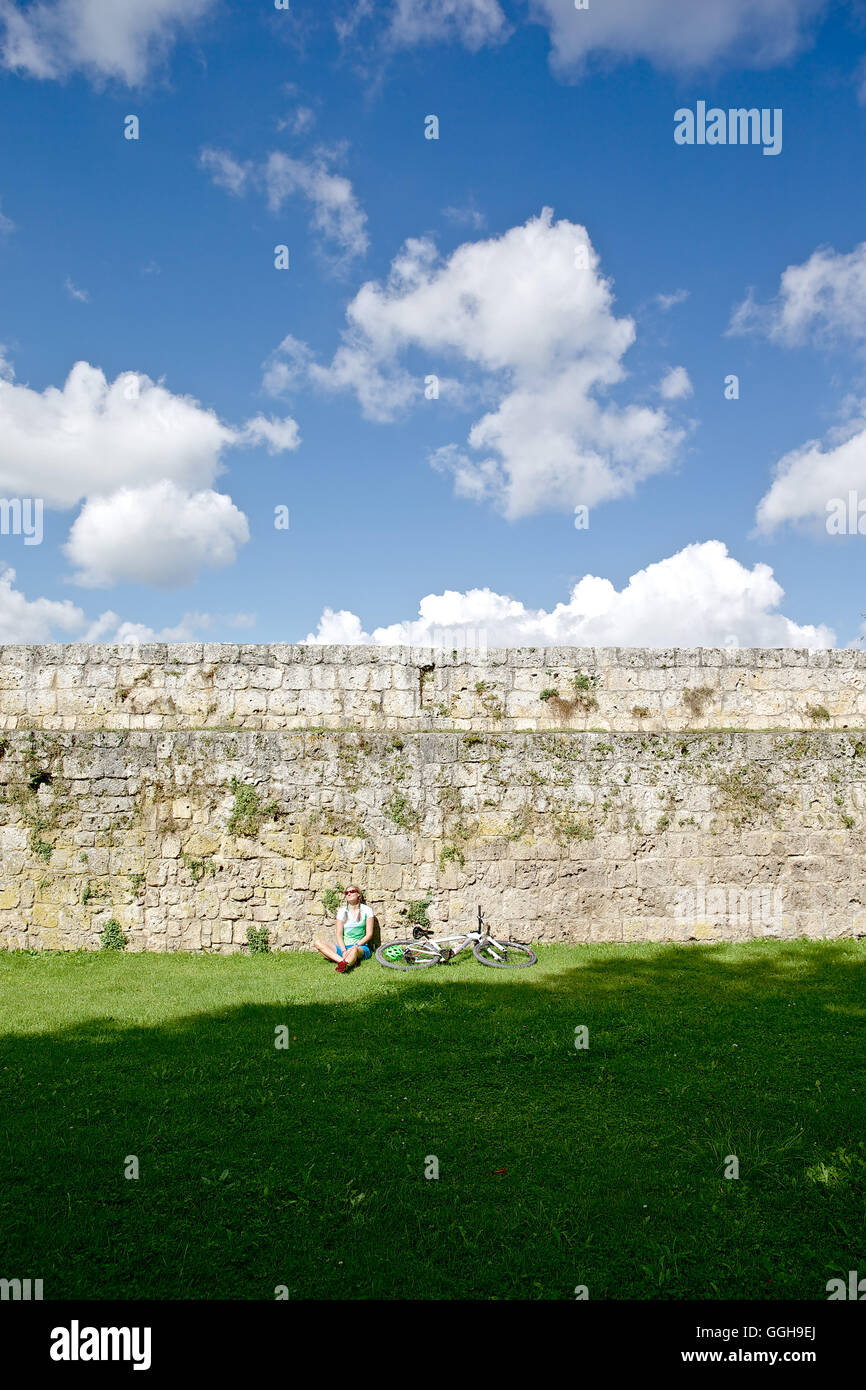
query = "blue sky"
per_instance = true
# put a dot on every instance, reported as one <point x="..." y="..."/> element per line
<point x="580" y="284"/>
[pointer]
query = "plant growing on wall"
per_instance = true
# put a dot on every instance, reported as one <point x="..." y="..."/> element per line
<point x="818" y="714"/>
<point x="451" y="854"/>
<point x="330" y="900"/>
<point x="400" y="810"/>
<point x="199" y="867"/>
<point x="581" y="699"/>
<point x="696" y="700"/>
<point x="492" y="706"/>
<point x="40" y="759"/>
<point x="113" y="938"/>
<point x="258" y="940"/>
<point x="417" y="912"/>
<point x="746" y="795"/>
<point x="249" y="812"/>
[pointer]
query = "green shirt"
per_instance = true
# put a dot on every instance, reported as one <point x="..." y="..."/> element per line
<point x="353" y="932"/>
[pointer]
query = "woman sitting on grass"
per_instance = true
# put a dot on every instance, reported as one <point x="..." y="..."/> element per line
<point x="354" y="927"/>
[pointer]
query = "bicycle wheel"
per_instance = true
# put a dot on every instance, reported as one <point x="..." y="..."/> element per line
<point x="510" y="955"/>
<point x="420" y="954"/>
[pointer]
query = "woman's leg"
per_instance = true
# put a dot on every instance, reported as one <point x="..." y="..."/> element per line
<point x="351" y="956"/>
<point x="326" y="950"/>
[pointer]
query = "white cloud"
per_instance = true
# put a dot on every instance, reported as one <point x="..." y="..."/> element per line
<point x="40" y="620"/>
<point x="299" y="122"/>
<point x="822" y="300"/>
<point x="157" y="535"/>
<point x="287" y="366"/>
<point x="408" y="23"/>
<point x="669" y="301"/>
<point x="279" y="436"/>
<point x="93" y="435"/>
<point x="809" y="477"/>
<point x="701" y="596"/>
<point x="466" y="217"/>
<point x="676" y="385"/>
<point x="225" y="171"/>
<point x="120" y="39"/>
<point x="190" y="627"/>
<point x="530" y="315"/>
<point x="335" y="211"/>
<point x="6" y="224"/>
<point x="33" y="620"/>
<point x="675" y="34"/>
<point x="81" y="295"/>
<point x="123" y="446"/>
<point x="473" y="23"/>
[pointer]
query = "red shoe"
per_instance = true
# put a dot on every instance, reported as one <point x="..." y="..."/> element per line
<point x="341" y="968"/>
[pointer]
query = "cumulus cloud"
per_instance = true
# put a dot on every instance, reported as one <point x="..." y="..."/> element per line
<point x="33" y="620"/>
<point x="279" y="436"/>
<point x="120" y="39"/>
<point x="701" y="596"/>
<point x="156" y="535"/>
<point x="65" y="444"/>
<point x="334" y="208"/>
<point x="821" y="301"/>
<point x="809" y="477"/>
<point x="676" y="385"/>
<point x="529" y="316"/>
<point x="189" y="628"/>
<point x="116" y="444"/>
<point x="676" y="34"/>
<point x="38" y="620"/>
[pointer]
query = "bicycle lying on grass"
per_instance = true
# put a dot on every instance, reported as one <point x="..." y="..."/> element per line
<point x="425" y="949"/>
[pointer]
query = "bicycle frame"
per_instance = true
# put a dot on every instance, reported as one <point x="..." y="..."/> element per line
<point x="443" y="942"/>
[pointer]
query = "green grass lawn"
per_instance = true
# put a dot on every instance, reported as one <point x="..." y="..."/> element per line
<point x="305" y="1166"/>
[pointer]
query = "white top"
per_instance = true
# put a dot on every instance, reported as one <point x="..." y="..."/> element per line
<point x="354" y="926"/>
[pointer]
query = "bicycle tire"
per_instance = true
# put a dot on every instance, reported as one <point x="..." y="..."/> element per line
<point x="402" y="964"/>
<point x="507" y="964"/>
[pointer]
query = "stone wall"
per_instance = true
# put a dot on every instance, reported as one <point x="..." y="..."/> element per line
<point x="188" y="837"/>
<point x="204" y="685"/>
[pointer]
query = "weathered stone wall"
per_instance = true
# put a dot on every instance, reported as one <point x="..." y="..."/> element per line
<point x="204" y="685"/>
<point x="188" y="837"/>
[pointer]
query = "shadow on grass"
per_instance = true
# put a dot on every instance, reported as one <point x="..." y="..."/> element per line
<point x="304" y="1166"/>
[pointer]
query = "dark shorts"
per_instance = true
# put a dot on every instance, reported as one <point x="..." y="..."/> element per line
<point x="364" y="949"/>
